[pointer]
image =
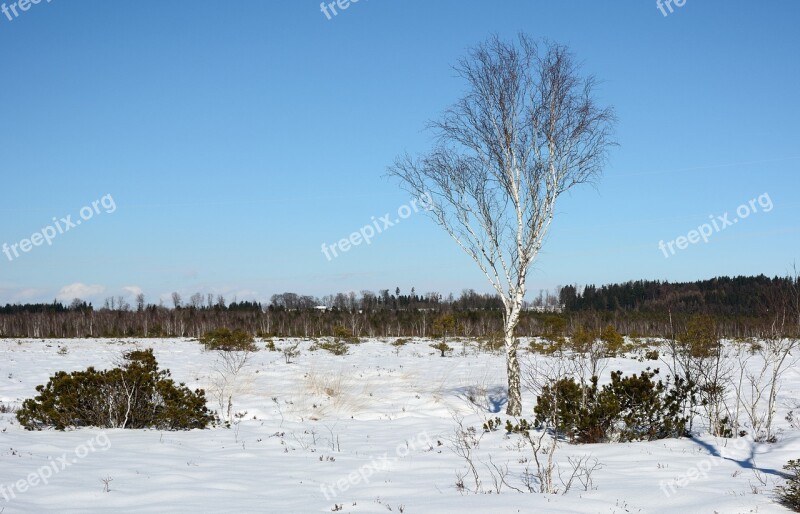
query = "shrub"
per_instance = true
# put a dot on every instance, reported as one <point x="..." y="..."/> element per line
<point x="583" y="339"/>
<point x="700" y="341"/>
<point x="492" y="343"/>
<point x="789" y="493"/>
<point x="224" y="340"/>
<point x="492" y="425"/>
<point x="553" y="327"/>
<point x="137" y="395"/>
<point x="336" y="346"/>
<point x="442" y="347"/>
<point x="613" y="341"/>
<point x="399" y="343"/>
<point x="344" y="333"/>
<point x="606" y="343"/>
<point x="629" y="408"/>
<point x="548" y="346"/>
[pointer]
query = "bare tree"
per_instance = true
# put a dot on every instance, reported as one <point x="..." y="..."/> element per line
<point x="176" y="299"/>
<point x="196" y="300"/>
<point x="543" y="442"/>
<point x="527" y="131"/>
<point x="777" y="351"/>
<point x="228" y="382"/>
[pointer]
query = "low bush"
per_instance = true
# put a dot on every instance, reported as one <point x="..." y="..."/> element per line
<point x="336" y="346"/>
<point x="631" y="408"/>
<point x="789" y="493"/>
<point x="651" y="355"/>
<point x="344" y="333"/>
<point x="224" y="340"/>
<point x="547" y="346"/>
<point x="442" y="347"/>
<point x="492" y="343"/>
<point x="613" y="341"/>
<point x="136" y="395"/>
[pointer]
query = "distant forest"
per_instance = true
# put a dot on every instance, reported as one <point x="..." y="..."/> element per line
<point x="740" y="306"/>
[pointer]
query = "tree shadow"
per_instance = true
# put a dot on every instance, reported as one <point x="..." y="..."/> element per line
<point x="748" y="463"/>
<point x="492" y="399"/>
<point x="498" y="398"/>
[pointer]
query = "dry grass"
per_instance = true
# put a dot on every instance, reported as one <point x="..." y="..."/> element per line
<point x="334" y="392"/>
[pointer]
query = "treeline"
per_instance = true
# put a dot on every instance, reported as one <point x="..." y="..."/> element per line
<point x="722" y="296"/>
<point x="287" y="314"/>
<point x="740" y="306"/>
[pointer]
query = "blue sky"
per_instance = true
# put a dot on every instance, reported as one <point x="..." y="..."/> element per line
<point x="235" y="138"/>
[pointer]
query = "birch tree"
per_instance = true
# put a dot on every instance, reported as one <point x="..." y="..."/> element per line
<point x="527" y="130"/>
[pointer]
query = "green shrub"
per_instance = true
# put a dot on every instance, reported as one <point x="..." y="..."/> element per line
<point x="442" y="347"/>
<point x="137" y="395"/>
<point x="341" y="332"/>
<point x="492" y="343"/>
<point x="613" y="341"/>
<point x="549" y="346"/>
<point x="523" y="425"/>
<point x="336" y="346"/>
<point x="629" y="408"/>
<point x="700" y="341"/>
<point x="224" y="340"/>
<point x="492" y="425"/>
<point x="789" y="493"/>
<point x="582" y="340"/>
<point x="553" y="327"/>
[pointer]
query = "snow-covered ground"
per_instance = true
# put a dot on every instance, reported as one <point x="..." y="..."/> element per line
<point x="370" y="431"/>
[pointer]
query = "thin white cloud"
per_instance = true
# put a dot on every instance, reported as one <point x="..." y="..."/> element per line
<point x="133" y="290"/>
<point x="24" y="295"/>
<point x="79" y="290"/>
<point x="246" y="294"/>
